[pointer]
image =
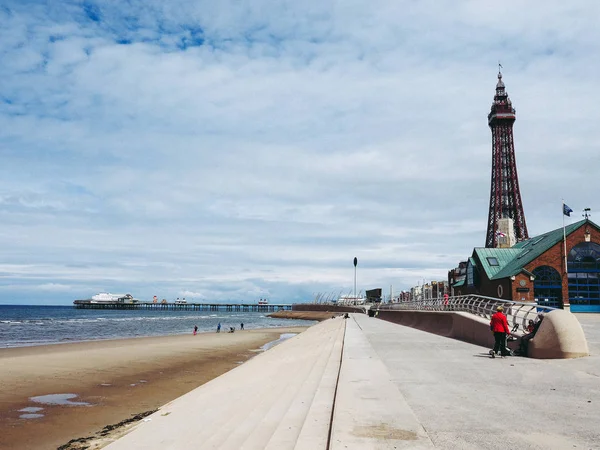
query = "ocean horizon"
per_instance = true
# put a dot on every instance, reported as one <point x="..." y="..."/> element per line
<point x="31" y="325"/>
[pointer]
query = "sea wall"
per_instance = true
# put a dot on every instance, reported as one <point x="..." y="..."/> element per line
<point x="327" y="308"/>
<point x="559" y="336"/>
<point x="304" y="315"/>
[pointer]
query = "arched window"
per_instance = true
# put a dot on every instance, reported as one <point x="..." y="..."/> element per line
<point x="583" y="265"/>
<point x="547" y="287"/>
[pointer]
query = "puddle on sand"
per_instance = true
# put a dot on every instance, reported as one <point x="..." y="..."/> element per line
<point x="30" y="416"/>
<point x="282" y="337"/>
<point x="58" y="399"/>
<point x="31" y="409"/>
<point x="105" y="384"/>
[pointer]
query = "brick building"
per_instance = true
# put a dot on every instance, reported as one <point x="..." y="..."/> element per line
<point x="534" y="270"/>
<point x="456" y="279"/>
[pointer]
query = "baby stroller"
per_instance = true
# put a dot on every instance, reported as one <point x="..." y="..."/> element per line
<point x="507" y="351"/>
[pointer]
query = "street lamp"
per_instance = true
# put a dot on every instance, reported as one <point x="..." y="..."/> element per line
<point x="355" y="263"/>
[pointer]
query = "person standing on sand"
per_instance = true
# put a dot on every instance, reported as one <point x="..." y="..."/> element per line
<point x="499" y="326"/>
<point x="242" y="326"/>
<point x="195" y="329"/>
<point x="219" y="327"/>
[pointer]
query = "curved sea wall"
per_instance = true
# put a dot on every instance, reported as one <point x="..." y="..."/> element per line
<point x="559" y="336"/>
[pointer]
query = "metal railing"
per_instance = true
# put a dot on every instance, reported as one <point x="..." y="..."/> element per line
<point x="517" y="313"/>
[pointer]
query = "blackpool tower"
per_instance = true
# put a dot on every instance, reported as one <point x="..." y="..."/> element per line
<point x="506" y="215"/>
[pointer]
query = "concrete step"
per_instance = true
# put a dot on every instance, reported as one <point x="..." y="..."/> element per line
<point x="225" y="398"/>
<point x="191" y="420"/>
<point x="233" y="425"/>
<point x="289" y="426"/>
<point x="315" y="429"/>
<point x="264" y="421"/>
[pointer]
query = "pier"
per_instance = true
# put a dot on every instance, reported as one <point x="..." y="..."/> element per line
<point x="241" y="307"/>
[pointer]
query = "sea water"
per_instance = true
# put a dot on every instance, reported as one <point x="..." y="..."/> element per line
<point x="38" y="325"/>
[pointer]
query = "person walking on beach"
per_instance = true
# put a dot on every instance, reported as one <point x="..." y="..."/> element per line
<point x="195" y="329"/>
<point x="242" y="326"/>
<point x="499" y="326"/>
<point x="219" y="327"/>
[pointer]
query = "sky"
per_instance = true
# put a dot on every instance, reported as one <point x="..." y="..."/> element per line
<point x="237" y="150"/>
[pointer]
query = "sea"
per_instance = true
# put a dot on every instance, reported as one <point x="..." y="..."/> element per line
<point x="22" y="326"/>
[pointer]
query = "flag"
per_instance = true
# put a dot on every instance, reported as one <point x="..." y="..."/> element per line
<point x="566" y="210"/>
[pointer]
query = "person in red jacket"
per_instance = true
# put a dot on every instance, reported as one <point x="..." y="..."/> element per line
<point x="499" y="326"/>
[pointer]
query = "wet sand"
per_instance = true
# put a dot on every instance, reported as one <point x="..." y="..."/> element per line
<point x="118" y="378"/>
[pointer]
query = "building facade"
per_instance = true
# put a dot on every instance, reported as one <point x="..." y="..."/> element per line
<point x="534" y="270"/>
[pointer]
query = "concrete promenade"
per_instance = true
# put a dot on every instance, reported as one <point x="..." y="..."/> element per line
<point x="364" y="383"/>
<point x="466" y="400"/>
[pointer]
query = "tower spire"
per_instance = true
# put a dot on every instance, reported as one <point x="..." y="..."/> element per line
<point x="505" y="196"/>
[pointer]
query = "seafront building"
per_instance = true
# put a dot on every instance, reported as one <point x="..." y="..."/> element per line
<point x="534" y="270"/>
<point x="559" y="268"/>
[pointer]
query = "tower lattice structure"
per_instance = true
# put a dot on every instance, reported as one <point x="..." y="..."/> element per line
<point x="505" y="196"/>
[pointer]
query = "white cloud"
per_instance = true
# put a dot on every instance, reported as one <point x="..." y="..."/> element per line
<point x="232" y="150"/>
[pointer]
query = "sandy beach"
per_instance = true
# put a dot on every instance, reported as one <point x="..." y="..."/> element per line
<point x="118" y="379"/>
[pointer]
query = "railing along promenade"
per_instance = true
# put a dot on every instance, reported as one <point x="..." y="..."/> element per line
<point x="517" y="313"/>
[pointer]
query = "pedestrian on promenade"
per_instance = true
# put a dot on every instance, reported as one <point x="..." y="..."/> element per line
<point x="219" y="327"/>
<point x="195" y="329"/>
<point x="499" y="326"/>
<point x="530" y="326"/>
<point x="524" y="344"/>
<point x="242" y="326"/>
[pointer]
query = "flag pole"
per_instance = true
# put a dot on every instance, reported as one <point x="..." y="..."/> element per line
<point x="565" y="241"/>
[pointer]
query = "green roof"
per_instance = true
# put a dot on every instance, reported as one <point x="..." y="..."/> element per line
<point x="530" y="249"/>
<point x="502" y="256"/>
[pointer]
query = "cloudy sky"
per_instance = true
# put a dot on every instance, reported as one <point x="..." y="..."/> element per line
<point x="232" y="149"/>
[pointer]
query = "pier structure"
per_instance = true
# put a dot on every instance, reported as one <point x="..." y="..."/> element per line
<point x="234" y="307"/>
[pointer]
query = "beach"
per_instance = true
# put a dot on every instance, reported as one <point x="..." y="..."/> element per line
<point x="117" y="379"/>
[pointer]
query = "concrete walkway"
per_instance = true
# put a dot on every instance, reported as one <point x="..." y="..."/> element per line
<point x="370" y="412"/>
<point x="364" y="383"/>
<point x="466" y="400"/>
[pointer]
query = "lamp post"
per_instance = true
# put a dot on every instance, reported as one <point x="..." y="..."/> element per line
<point x="355" y="263"/>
